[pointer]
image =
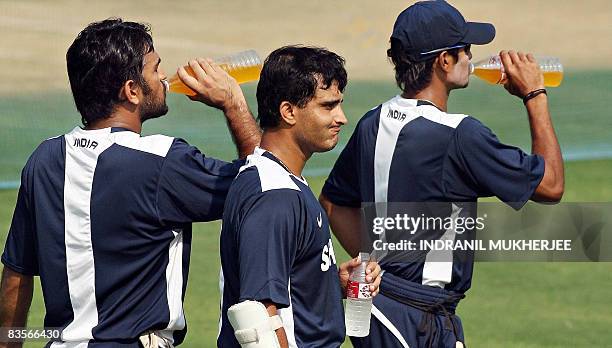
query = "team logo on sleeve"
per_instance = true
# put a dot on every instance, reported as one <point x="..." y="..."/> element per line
<point x="328" y="257"/>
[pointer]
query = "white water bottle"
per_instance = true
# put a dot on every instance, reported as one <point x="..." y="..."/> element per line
<point x="358" y="301"/>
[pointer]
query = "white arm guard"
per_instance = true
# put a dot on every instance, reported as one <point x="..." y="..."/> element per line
<point x="253" y="326"/>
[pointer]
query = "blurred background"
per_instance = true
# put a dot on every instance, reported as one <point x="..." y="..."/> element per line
<point x="510" y="304"/>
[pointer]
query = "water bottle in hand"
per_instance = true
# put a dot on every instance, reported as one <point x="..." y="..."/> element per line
<point x="358" y="301"/>
<point x="243" y="66"/>
<point x="491" y="70"/>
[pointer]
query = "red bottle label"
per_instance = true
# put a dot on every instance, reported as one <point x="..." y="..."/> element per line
<point x="358" y="290"/>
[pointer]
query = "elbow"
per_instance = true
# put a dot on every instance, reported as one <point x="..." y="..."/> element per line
<point x="326" y="204"/>
<point x="551" y="188"/>
<point x="551" y="195"/>
<point x="557" y="194"/>
<point x="557" y="190"/>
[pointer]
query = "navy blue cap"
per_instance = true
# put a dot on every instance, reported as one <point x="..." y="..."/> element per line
<point x="429" y="27"/>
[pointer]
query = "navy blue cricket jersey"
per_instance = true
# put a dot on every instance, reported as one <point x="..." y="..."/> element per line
<point x="276" y="246"/>
<point x="408" y="150"/>
<point x="104" y="217"/>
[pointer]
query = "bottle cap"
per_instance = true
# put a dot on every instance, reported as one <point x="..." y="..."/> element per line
<point x="364" y="257"/>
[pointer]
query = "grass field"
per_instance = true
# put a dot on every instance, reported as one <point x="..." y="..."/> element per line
<point x="510" y="304"/>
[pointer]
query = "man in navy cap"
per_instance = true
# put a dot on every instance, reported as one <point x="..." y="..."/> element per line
<point x="411" y="149"/>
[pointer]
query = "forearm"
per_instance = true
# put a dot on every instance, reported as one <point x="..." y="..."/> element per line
<point x="525" y="77"/>
<point x="345" y="223"/>
<point x="545" y="144"/>
<point x="280" y="332"/>
<point x="15" y="298"/>
<point x="241" y="123"/>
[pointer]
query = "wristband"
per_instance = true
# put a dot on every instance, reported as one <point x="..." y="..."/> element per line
<point x="533" y="94"/>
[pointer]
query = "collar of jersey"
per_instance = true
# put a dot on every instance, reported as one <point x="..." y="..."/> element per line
<point x="422" y="102"/>
<point x="102" y="130"/>
<point x="415" y="102"/>
<point x="269" y="155"/>
<point x="120" y="129"/>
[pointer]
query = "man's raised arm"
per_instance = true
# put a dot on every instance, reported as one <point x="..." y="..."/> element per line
<point x="524" y="81"/>
<point x="218" y="89"/>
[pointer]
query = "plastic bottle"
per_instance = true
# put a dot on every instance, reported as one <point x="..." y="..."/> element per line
<point x="358" y="301"/>
<point x="491" y="70"/>
<point x="243" y="66"/>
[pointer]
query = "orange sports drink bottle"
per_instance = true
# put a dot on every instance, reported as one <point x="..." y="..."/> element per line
<point x="492" y="70"/>
<point x="243" y="66"/>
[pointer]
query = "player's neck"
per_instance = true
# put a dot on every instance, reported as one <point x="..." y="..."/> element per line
<point x="286" y="150"/>
<point x="434" y="93"/>
<point x="119" y="119"/>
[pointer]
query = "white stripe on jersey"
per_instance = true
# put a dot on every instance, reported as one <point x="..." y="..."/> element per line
<point x="83" y="147"/>
<point x="438" y="266"/>
<point x="389" y="325"/>
<point x="394" y="115"/>
<point x="221" y="289"/>
<point x="81" y="159"/>
<point x="174" y="286"/>
<point x="389" y="129"/>
<point x="154" y="144"/>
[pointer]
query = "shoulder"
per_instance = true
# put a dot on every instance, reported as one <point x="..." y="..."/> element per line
<point x="262" y="183"/>
<point x="371" y="115"/>
<point x="365" y="128"/>
<point x="249" y="193"/>
<point x="51" y="144"/>
<point x="47" y="150"/>
<point x="160" y="145"/>
<point x="179" y="148"/>
<point x="446" y="119"/>
<point x="471" y="123"/>
<point x="369" y="120"/>
<point x="267" y="173"/>
<point x="157" y="144"/>
<point x="470" y="129"/>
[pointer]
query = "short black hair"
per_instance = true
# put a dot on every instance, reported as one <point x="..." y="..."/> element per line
<point x="293" y="73"/>
<point x="412" y="75"/>
<point x="102" y="57"/>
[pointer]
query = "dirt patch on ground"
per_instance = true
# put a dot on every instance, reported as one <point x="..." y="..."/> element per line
<point x="36" y="34"/>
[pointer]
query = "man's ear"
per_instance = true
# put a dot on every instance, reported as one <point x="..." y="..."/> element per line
<point x="287" y="112"/>
<point x="445" y="61"/>
<point x="130" y="92"/>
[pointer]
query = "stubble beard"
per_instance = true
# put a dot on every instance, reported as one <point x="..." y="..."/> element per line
<point x="152" y="108"/>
